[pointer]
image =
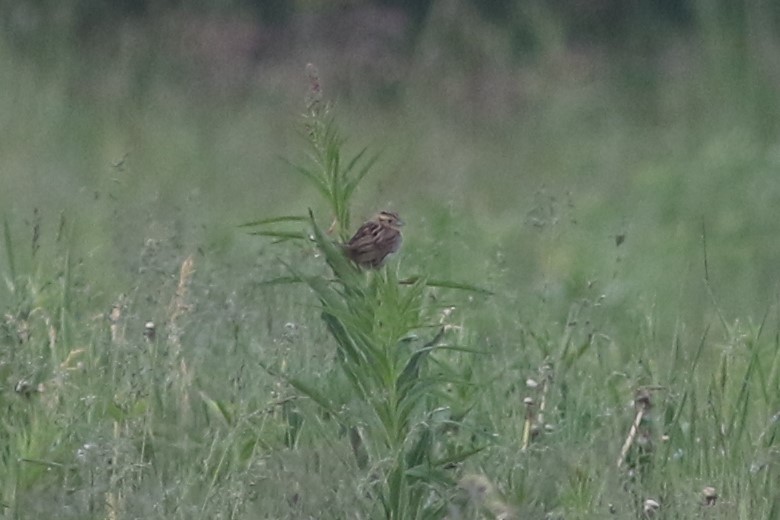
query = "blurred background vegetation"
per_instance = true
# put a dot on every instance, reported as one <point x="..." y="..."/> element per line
<point x="646" y="121"/>
<point x="637" y="119"/>
<point x="571" y="155"/>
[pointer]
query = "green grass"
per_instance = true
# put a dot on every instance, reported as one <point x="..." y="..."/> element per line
<point x="248" y="404"/>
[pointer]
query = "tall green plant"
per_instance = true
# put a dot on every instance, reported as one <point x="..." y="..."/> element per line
<point x="373" y="318"/>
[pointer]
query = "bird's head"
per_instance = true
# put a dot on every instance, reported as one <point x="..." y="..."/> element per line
<point x="389" y="218"/>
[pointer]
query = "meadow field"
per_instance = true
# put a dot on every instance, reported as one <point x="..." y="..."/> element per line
<point x="583" y="321"/>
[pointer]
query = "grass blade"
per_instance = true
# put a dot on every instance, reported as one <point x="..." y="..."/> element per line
<point x="273" y="220"/>
<point x="9" y="253"/>
<point x="447" y="284"/>
<point x="284" y="235"/>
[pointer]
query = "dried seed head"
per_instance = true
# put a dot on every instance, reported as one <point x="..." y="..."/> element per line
<point x="150" y="330"/>
<point x="642" y="400"/>
<point x="500" y="510"/>
<point x="546" y="371"/>
<point x="27" y="388"/>
<point x="314" y="96"/>
<point x="23" y="387"/>
<point x="116" y="313"/>
<point x="651" y="507"/>
<point x="710" y="495"/>
<point x="446" y="313"/>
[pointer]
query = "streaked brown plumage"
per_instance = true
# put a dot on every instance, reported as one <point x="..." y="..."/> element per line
<point x="375" y="240"/>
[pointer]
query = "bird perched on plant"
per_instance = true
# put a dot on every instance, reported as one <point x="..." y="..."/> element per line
<point x="379" y="237"/>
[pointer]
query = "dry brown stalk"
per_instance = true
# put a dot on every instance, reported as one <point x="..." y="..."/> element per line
<point x="534" y="415"/>
<point x="178" y="308"/>
<point x="642" y="405"/>
<point x="179" y="305"/>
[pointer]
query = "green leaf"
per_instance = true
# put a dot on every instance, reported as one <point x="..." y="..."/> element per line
<point x="334" y="255"/>
<point x="458" y="457"/>
<point x="428" y="473"/>
<point x="287" y="235"/>
<point x="353" y="183"/>
<point x="421" y="449"/>
<point x="41" y="462"/>
<point x="115" y="412"/>
<point x="411" y="371"/>
<point x="217" y="408"/>
<point x="458" y="348"/>
<point x="295" y="421"/>
<point x="282" y="280"/>
<point x="447" y="284"/>
<point x="354" y="161"/>
<point x="344" y="341"/>
<point x="313" y="178"/>
<point x="9" y="252"/>
<point x="273" y="220"/>
<point x="314" y="394"/>
<point x="413" y="395"/>
<point x="305" y="389"/>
